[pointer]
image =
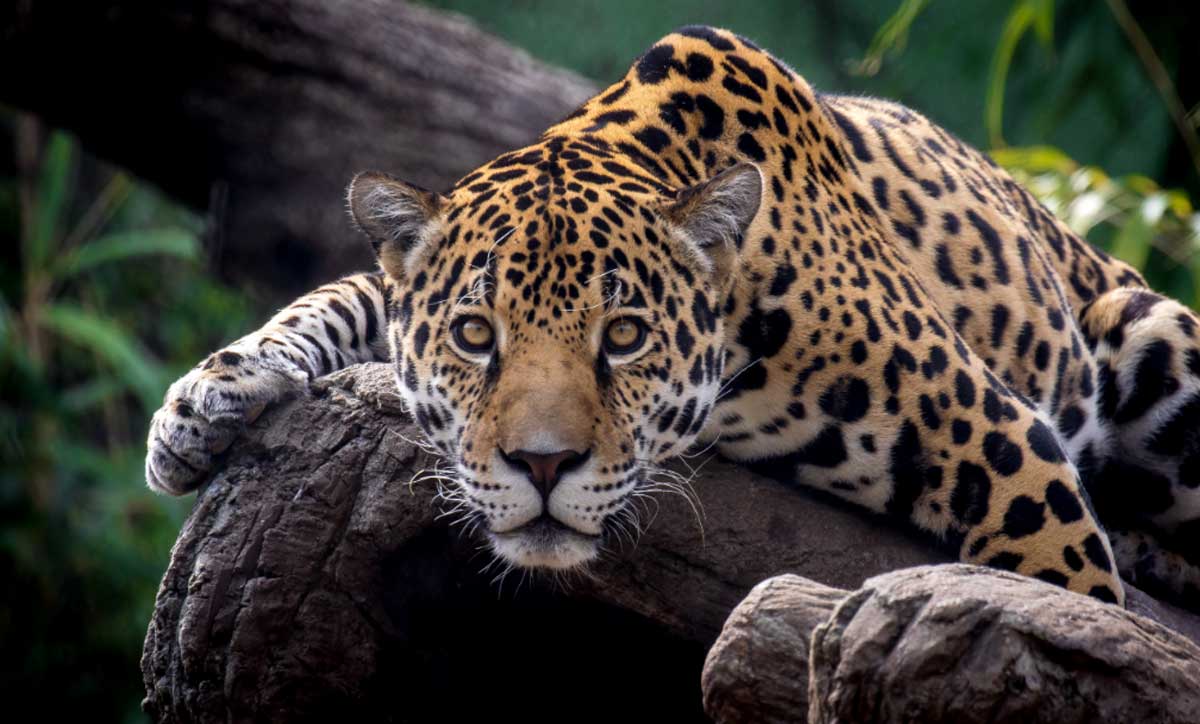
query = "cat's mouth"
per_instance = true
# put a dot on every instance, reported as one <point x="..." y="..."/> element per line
<point x="545" y="542"/>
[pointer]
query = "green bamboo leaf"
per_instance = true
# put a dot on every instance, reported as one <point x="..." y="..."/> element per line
<point x="891" y="37"/>
<point x="53" y="193"/>
<point x="1015" y="26"/>
<point x="124" y="245"/>
<point x="135" y="368"/>
<point x="1043" y="21"/>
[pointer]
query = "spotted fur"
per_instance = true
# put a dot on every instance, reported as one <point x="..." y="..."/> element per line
<point x="834" y="291"/>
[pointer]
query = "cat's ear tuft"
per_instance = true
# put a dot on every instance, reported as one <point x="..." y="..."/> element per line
<point x="397" y="217"/>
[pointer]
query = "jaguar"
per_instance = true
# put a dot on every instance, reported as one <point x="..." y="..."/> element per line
<point x="831" y="290"/>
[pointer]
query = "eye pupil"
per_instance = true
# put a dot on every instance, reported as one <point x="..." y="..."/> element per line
<point x="624" y="336"/>
<point x="473" y="334"/>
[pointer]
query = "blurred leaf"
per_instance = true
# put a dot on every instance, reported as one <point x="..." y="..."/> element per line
<point x="1132" y="217"/>
<point x="1090" y="177"/>
<point x="99" y="212"/>
<point x="1153" y="208"/>
<point x="1035" y="159"/>
<point x="120" y="246"/>
<point x="1086" y="211"/>
<point x="1043" y="21"/>
<point x="84" y="537"/>
<point x="89" y="394"/>
<point x="81" y="457"/>
<point x="1140" y="184"/>
<point x="52" y="195"/>
<point x="113" y="344"/>
<point x="1023" y="15"/>
<point x="891" y="37"/>
<point x="1132" y="243"/>
<point x="7" y="332"/>
<point x="1180" y="204"/>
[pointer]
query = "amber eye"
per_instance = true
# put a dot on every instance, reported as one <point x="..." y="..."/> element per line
<point x="624" y="336"/>
<point x="473" y="334"/>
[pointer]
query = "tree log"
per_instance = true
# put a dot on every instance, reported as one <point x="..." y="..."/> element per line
<point x="264" y="109"/>
<point x="312" y="579"/>
<point x="949" y="643"/>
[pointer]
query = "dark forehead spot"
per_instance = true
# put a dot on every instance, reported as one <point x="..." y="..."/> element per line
<point x="654" y="138"/>
<point x="756" y="75"/>
<point x="699" y="67"/>
<point x="615" y="94"/>
<point x="655" y="65"/>
<point x="749" y="146"/>
<point x="733" y="85"/>
<point x="707" y="34"/>
<point x="620" y="117"/>
<point x="713" y="116"/>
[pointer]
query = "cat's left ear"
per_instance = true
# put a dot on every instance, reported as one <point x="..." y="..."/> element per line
<point x="711" y="218"/>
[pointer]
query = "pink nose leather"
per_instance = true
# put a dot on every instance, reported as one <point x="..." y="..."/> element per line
<point x="544" y="470"/>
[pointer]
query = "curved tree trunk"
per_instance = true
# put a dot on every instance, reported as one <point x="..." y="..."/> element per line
<point x="262" y="110"/>
<point x="313" y="579"/>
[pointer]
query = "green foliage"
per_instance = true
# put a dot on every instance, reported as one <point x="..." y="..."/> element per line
<point x="1025" y="15"/>
<point x="108" y="304"/>
<point x="111" y="346"/>
<point x="1156" y="230"/>
<point x="1090" y="97"/>
<point x="891" y="38"/>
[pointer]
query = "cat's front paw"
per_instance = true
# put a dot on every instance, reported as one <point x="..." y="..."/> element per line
<point x="204" y="411"/>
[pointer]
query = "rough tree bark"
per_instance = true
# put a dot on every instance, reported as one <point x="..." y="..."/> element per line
<point x="264" y="109"/>
<point x="948" y="643"/>
<point x="312" y="578"/>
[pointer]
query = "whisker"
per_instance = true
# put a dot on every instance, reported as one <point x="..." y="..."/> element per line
<point x="686" y="455"/>
<point x="725" y="387"/>
<point x="607" y="302"/>
<point x="664" y="480"/>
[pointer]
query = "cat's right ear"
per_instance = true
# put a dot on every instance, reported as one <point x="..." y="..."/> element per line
<point x="398" y="218"/>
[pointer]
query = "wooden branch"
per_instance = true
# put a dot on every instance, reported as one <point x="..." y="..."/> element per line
<point x="951" y="643"/>
<point x="312" y="578"/>
<point x="264" y="109"/>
